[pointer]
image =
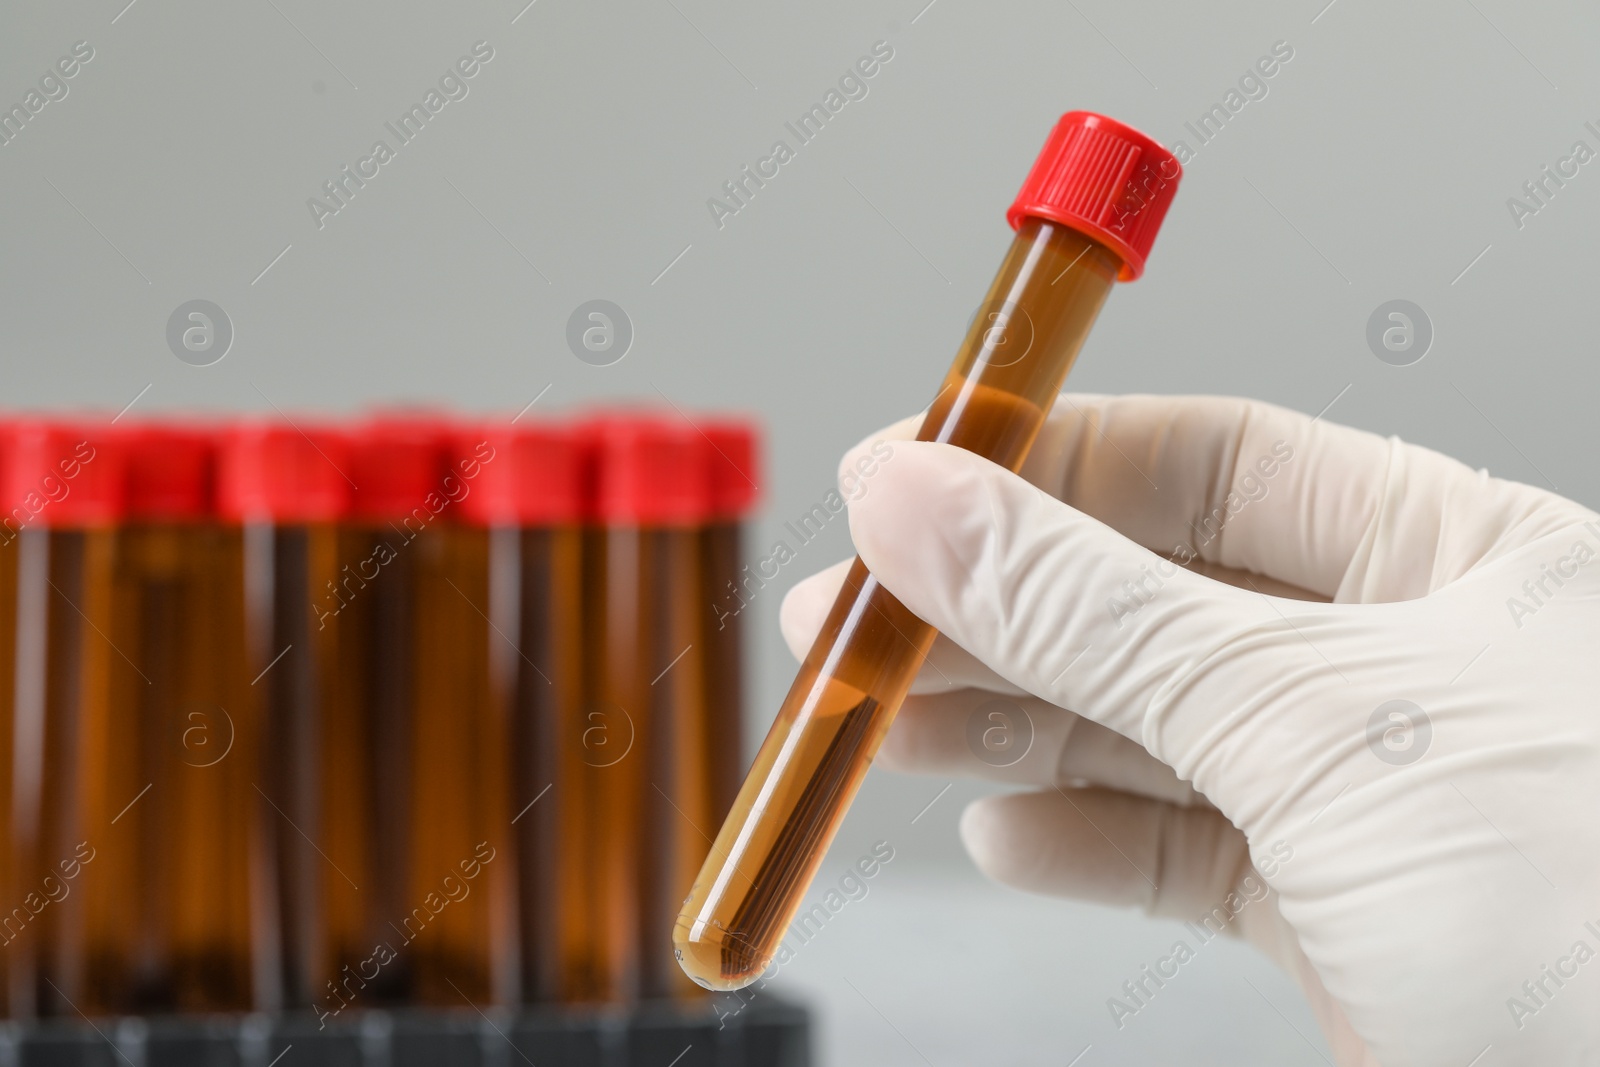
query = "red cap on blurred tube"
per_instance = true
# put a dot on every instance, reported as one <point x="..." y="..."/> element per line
<point x="735" y="467"/>
<point x="647" y="470"/>
<point x="170" y="472"/>
<point x="397" y="463"/>
<point x="63" y="472"/>
<point x="528" y="475"/>
<point x="282" y="473"/>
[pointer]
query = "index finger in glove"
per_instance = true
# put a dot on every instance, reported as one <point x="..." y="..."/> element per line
<point x="963" y="719"/>
<point x="1346" y="514"/>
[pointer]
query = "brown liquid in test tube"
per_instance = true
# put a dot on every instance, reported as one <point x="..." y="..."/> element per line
<point x="186" y="738"/>
<point x="519" y="523"/>
<point x="10" y="524"/>
<point x="389" y="545"/>
<point x="282" y="491"/>
<point x="66" y="479"/>
<point x="458" y="923"/>
<point x="645" y="743"/>
<point x="1086" y="215"/>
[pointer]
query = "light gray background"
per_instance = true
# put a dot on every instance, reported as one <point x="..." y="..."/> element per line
<point x="1378" y="167"/>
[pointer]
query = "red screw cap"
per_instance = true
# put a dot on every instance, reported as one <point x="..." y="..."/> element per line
<point x="63" y="473"/>
<point x="518" y="475"/>
<point x="1105" y="180"/>
<point x="397" y="461"/>
<point x="170" y="472"/>
<point x="647" y="471"/>
<point x="275" y="472"/>
<point x="735" y="467"/>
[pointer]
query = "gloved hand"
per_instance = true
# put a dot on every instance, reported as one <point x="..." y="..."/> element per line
<point x="1413" y="768"/>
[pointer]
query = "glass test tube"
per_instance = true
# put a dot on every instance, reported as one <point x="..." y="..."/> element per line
<point x="64" y="491"/>
<point x="599" y="899"/>
<point x="457" y="923"/>
<point x="186" y="732"/>
<point x="282" y="491"/>
<point x="11" y="522"/>
<point x="1086" y="215"/>
<point x="652" y="494"/>
<point x="734" y="476"/>
<point x="388" y="548"/>
<point x="522" y="507"/>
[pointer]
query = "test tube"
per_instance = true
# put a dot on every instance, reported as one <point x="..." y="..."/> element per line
<point x="64" y="492"/>
<point x="1087" y="215"/>
<point x="734" y="475"/>
<point x="8" y="682"/>
<point x="522" y="508"/>
<point x="458" y="923"/>
<point x="186" y="734"/>
<point x="281" y="492"/>
<point x="652" y="495"/>
<point x="388" y="546"/>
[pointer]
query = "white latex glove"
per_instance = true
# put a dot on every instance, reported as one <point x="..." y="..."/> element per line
<point x="1435" y="876"/>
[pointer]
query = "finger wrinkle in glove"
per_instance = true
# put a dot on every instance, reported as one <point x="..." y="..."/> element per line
<point x="1214" y="712"/>
<point x="1437" y="519"/>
